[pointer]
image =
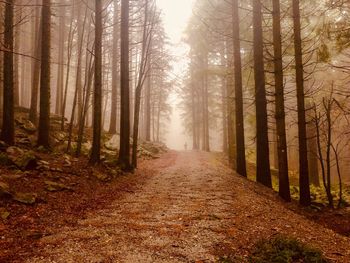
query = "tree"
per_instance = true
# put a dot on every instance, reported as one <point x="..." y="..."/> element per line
<point x="148" y="24"/>
<point x="124" y="152"/>
<point x="240" y="140"/>
<point x="304" y="185"/>
<point x="8" y="129"/>
<point x="60" y="67"/>
<point x="97" y="121"/>
<point x="37" y="46"/>
<point x="115" y="68"/>
<point x="263" y="172"/>
<point x="282" y="152"/>
<point x="44" y="116"/>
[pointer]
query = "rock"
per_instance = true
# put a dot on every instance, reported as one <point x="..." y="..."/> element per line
<point x="4" y="214"/>
<point x="4" y="189"/>
<point x="113" y="144"/>
<point x="3" y="158"/>
<point x="86" y="148"/>
<point x="19" y="121"/>
<point x="59" y="136"/>
<point x="24" y="160"/>
<point x="43" y="165"/>
<point x="25" y="141"/>
<point x="56" y="187"/>
<point x="3" y="146"/>
<point x="29" y="127"/>
<point x="25" y="198"/>
<point x="67" y="163"/>
<point x="100" y="176"/>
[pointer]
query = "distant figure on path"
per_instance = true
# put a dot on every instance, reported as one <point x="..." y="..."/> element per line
<point x="185" y="146"/>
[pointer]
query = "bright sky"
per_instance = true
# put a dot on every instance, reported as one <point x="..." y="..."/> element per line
<point x="176" y="14"/>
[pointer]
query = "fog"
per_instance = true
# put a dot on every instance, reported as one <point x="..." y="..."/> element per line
<point x="175" y="15"/>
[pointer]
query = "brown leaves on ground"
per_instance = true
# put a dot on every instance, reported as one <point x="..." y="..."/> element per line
<point x="183" y="207"/>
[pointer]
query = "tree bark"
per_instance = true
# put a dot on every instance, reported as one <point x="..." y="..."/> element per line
<point x="240" y="139"/>
<point x="33" y="114"/>
<point x="96" y="141"/>
<point x="304" y="185"/>
<point x="8" y="129"/>
<point x="263" y="172"/>
<point x="282" y="151"/>
<point x="60" y="68"/>
<point x="44" y="116"/>
<point x="124" y="153"/>
<point x="115" y="69"/>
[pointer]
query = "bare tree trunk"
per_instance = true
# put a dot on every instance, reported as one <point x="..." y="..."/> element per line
<point x="8" y="129"/>
<point x="96" y="142"/>
<point x="148" y="106"/>
<point x="312" y="150"/>
<point x="282" y="150"/>
<point x="44" y="117"/>
<point x="240" y="139"/>
<point x="60" y="68"/>
<point x="263" y="172"/>
<point x="69" y="58"/>
<point x="124" y="153"/>
<point x="144" y="67"/>
<point x="78" y="79"/>
<point x="18" y="18"/>
<point x="33" y="114"/>
<point x="304" y="184"/>
<point x="115" y="73"/>
<point x="1" y="68"/>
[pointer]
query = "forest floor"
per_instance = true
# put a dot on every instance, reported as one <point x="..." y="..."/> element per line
<point x="182" y="207"/>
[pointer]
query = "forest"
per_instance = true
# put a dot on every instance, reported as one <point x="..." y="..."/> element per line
<point x="95" y="93"/>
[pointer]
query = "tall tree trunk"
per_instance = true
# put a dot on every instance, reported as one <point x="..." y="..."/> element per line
<point x="44" y="116"/>
<point x="16" y="76"/>
<point x="8" y="129"/>
<point x="78" y="80"/>
<point x="69" y="58"/>
<point x="148" y="106"/>
<point x="284" y="190"/>
<point x="124" y="153"/>
<point x="303" y="161"/>
<point x="240" y="139"/>
<point x="206" y="106"/>
<point x="96" y="142"/>
<point x="263" y="172"/>
<point x="115" y="69"/>
<point x="224" y="115"/>
<point x="1" y="69"/>
<point x="145" y="53"/>
<point x="312" y="149"/>
<point x="230" y="107"/>
<point x="33" y="113"/>
<point x="60" y="68"/>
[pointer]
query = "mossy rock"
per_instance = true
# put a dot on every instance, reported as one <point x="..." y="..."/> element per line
<point x="4" y="214"/>
<point x="24" y="160"/>
<point x="56" y="187"/>
<point x="3" y="158"/>
<point x="29" y="127"/>
<point x="285" y="250"/>
<point x="101" y="176"/>
<point x="4" y="189"/>
<point x="25" y="198"/>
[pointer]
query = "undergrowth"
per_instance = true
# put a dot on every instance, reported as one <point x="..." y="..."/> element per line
<point x="285" y="250"/>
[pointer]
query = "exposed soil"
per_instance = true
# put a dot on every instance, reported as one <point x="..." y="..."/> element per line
<point x="183" y="207"/>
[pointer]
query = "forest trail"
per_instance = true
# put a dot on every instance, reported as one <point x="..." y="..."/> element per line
<point x="193" y="209"/>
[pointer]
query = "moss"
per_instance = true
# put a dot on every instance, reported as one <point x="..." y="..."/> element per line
<point x="285" y="250"/>
<point x="3" y="158"/>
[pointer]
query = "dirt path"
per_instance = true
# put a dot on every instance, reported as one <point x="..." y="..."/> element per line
<point x="192" y="210"/>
